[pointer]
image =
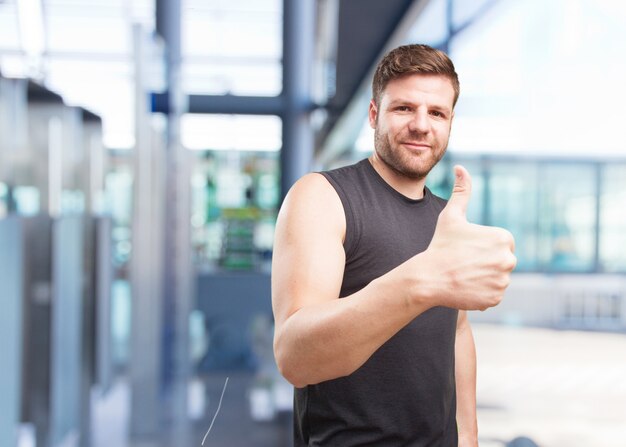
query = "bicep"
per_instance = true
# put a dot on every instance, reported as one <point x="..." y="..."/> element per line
<point x="308" y="259"/>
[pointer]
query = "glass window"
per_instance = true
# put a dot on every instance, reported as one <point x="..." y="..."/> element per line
<point x="464" y="11"/>
<point x="431" y="27"/>
<point x="231" y="132"/>
<point x="441" y="181"/>
<point x="221" y="76"/>
<point x="513" y="199"/>
<point x="77" y="33"/>
<point x="119" y="196"/>
<point x="103" y="87"/>
<point x="232" y="47"/>
<point x="27" y="200"/>
<point x="4" y="206"/>
<point x="519" y="69"/>
<point x="9" y="32"/>
<point x="88" y="57"/>
<point x="613" y="219"/>
<point x="567" y="217"/>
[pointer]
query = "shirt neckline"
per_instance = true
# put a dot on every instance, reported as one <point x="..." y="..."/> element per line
<point x="374" y="173"/>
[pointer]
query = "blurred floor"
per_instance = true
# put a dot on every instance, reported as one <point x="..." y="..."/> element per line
<point x="233" y="426"/>
<point x="559" y="388"/>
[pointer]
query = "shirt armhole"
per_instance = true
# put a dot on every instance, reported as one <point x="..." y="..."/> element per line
<point x="351" y="239"/>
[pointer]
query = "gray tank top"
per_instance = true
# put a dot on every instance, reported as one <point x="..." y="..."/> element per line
<point x="404" y="395"/>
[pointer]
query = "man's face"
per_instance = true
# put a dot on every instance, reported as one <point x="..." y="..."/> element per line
<point x="412" y="123"/>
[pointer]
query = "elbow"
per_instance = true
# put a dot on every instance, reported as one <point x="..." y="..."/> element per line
<point x="287" y="366"/>
<point x="291" y="375"/>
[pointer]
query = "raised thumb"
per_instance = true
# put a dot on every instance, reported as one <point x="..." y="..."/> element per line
<point x="461" y="192"/>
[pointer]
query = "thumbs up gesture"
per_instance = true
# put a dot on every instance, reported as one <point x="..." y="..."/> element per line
<point x="469" y="264"/>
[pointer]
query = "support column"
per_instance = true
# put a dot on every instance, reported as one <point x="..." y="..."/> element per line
<point x="177" y="270"/>
<point x="298" y="54"/>
<point x="145" y="360"/>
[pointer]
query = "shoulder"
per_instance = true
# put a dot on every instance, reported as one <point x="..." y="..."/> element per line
<point x="312" y="203"/>
<point x="309" y="190"/>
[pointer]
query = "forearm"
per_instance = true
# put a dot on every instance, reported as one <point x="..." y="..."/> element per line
<point x="334" y="338"/>
<point x="319" y="336"/>
<point x="465" y="370"/>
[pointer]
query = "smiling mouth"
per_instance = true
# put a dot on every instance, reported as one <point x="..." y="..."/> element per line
<point x="416" y="145"/>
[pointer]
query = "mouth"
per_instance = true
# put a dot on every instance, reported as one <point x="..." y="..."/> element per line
<point x="416" y="145"/>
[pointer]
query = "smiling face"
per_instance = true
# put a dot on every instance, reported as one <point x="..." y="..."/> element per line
<point x="412" y="123"/>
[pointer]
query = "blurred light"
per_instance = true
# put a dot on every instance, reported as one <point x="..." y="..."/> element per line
<point x="231" y="132"/>
<point x="30" y="16"/>
<point x="365" y="141"/>
<point x="27" y="200"/>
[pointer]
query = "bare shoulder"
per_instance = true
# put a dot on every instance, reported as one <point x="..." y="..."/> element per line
<point x="313" y="186"/>
<point x="313" y="202"/>
<point x="308" y="246"/>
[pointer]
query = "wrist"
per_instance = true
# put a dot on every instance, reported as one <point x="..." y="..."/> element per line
<point x="423" y="292"/>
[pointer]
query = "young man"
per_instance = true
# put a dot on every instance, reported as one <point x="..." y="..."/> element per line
<point x="373" y="274"/>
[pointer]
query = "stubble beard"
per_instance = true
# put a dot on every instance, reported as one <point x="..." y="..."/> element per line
<point x="403" y="162"/>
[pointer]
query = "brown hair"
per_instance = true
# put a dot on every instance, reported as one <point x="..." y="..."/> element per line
<point x="412" y="59"/>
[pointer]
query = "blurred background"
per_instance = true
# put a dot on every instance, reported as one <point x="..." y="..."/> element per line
<point x="146" y="145"/>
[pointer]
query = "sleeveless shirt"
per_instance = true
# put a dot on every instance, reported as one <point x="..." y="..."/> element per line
<point x="404" y="394"/>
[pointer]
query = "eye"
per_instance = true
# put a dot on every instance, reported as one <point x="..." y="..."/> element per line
<point x="437" y="113"/>
<point x="403" y="108"/>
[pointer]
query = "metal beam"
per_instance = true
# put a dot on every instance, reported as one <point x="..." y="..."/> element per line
<point x="298" y="53"/>
<point x="228" y="104"/>
<point x="177" y="269"/>
<point x="343" y="135"/>
<point x="145" y="361"/>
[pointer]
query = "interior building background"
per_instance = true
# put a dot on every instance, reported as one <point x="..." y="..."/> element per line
<point x="145" y="147"/>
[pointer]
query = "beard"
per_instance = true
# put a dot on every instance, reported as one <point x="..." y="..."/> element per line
<point x="404" y="162"/>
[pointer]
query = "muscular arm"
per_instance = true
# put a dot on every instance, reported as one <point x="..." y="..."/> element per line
<point x="320" y="337"/>
<point x="465" y="370"/>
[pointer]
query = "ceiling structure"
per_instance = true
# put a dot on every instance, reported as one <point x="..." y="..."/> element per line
<point x="364" y="28"/>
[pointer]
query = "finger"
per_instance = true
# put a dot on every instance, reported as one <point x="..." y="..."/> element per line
<point x="461" y="192"/>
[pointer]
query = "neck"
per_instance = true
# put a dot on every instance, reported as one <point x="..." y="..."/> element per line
<point x="413" y="188"/>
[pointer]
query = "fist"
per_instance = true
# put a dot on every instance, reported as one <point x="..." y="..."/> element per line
<point x="469" y="264"/>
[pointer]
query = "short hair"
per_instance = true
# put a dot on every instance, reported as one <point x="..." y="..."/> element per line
<point x="413" y="59"/>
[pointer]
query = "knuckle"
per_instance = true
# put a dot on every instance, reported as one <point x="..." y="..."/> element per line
<point x="503" y="237"/>
<point x="512" y="262"/>
<point x="497" y="299"/>
<point x="504" y="282"/>
<point x="509" y="263"/>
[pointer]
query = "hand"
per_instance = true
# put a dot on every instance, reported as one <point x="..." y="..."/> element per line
<point x="469" y="264"/>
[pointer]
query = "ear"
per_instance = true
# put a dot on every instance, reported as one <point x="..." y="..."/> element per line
<point x="373" y="114"/>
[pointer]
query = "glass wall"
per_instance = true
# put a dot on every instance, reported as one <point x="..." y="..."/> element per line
<point x="566" y="216"/>
<point x="612" y="235"/>
<point x="232" y="47"/>
<point x="512" y="203"/>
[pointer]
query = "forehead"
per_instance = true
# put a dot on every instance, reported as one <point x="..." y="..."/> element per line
<point x="421" y="88"/>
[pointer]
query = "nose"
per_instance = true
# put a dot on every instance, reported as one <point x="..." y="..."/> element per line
<point x="419" y="122"/>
